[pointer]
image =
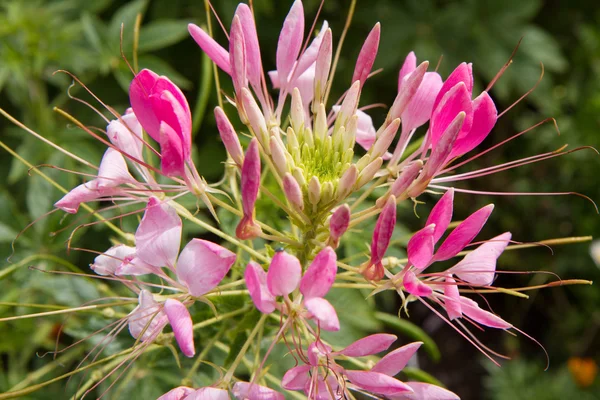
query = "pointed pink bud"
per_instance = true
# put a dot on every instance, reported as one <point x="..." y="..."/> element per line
<point x="292" y="191"/>
<point x="420" y="247"/>
<point x="463" y="234"/>
<point x="323" y="65"/>
<point x="252" y="48"/>
<point x="456" y="100"/>
<point x="377" y="382"/>
<point x="126" y="134"/>
<point x="404" y="180"/>
<point x="284" y="274"/>
<point x="250" y="183"/>
<point x="472" y="310"/>
<point x="410" y="87"/>
<point x="347" y="182"/>
<point x="255" y="117"/>
<point x="214" y="50"/>
<point x="229" y="136"/>
<point x="394" y="362"/>
<point x="158" y="235"/>
<point x="479" y="266"/>
<point x="181" y="322"/>
<point x="419" y="109"/>
<point x="237" y="56"/>
<point x="322" y="311"/>
<point x="338" y="224"/>
<point x="368" y="173"/>
<point x="290" y="42"/>
<point x="485" y="116"/>
<point x="256" y="282"/>
<point x="452" y="300"/>
<point x="309" y="57"/>
<point x="414" y="286"/>
<point x="349" y="105"/>
<point x="366" y="57"/>
<point x="296" y="378"/>
<point x="179" y="393"/>
<point x="441" y="214"/>
<point x="147" y="320"/>
<point x="297" y="110"/>
<point x="320" y="275"/>
<point x="246" y="391"/>
<point x="278" y="154"/>
<point x="369" y="345"/>
<point x="202" y="265"/>
<point x="384" y="228"/>
<point x="463" y="73"/>
<point x="108" y="262"/>
<point x="428" y="391"/>
<point x="113" y="170"/>
<point x="385" y="139"/>
<point x="443" y="148"/>
<point x="172" y="159"/>
<point x="409" y="65"/>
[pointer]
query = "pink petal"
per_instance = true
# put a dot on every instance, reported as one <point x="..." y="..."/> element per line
<point x="108" y="262"/>
<point x="256" y="282"/>
<point x="229" y="136"/>
<point x="442" y="149"/>
<point x="284" y="274"/>
<point x="441" y="214"/>
<point x="147" y="320"/>
<point x="202" y="265"/>
<point x="171" y="108"/>
<point x="384" y="228"/>
<point x="309" y="57"/>
<point x="479" y="266"/>
<point x="365" y="133"/>
<point x="366" y="57"/>
<point x="179" y="393"/>
<point x="410" y="86"/>
<point x="290" y="41"/>
<point x="323" y="64"/>
<point x="158" y="235"/>
<point x="133" y="265"/>
<point x="237" y="55"/>
<point x="394" y="362"/>
<point x="254" y="114"/>
<point x="420" y="107"/>
<point x="82" y="194"/>
<point x="377" y="382"/>
<point x="463" y="73"/>
<point x="405" y="178"/>
<point x="140" y="91"/>
<point x="463" y="234"/>
<point x="250" y="177"/>
<point x="253" y="61"/>
<point x="245" y="390"/>
<point x="452" y="300"/>
<point x="471" y="309"/>
<point x="126" y="134"/>
<point x="296" y="378"/>
<point x="181" y="322"/>
<point x="323" y="312"/>
<point x="172" y="160"/>
<point x="292" y="190"/>
<point x="426" y="391"/>
<point x="369" y="345"/>
<point x="409" y="65"/>
<point x="320" y="275"/>
<point x="209" y="393"/>
<point x="349" y="105"/>
<point x="317" y="351"/>
<point x="338" y="224"/>
<point x="458" y="99"/>
<point x="414" y="286"/>
<point x="420" y="247"/>
<point x="214" y="50"/>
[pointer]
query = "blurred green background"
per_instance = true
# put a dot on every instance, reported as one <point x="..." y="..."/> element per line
<point x="38" y="37"/>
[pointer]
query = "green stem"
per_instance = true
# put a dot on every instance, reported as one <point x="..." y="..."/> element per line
<point x="244" y="349"/>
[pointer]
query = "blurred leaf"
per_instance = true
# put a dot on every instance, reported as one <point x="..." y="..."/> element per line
<point x="125" y="16"/>
<point x="412" y="331"/>
<point x="162" y="68"/>
<point x="7" y="234"/>
<point x="157" y="35"/>
<point x="418" y="374"/>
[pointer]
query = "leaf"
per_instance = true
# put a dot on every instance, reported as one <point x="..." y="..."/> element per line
<point x="541" y="47"/>
<point x="125" y="16"/>
<point x="157" y="35"/>
<point x="412" y="331"/>
<point x="7" y="234"/>
<point x="162" y="68"/>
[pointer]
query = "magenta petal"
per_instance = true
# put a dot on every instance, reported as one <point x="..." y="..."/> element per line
<point x="290" y="42"/>
<point x="369" y="345"/>
<point x="250" y="177"/>
<point x="256" y="282"/>
<point x="479" y="266"/>
<point x="202" y="265"/>
<point x="485" y="116"/>
<point x="158" y="235"/>
<point x="253" y="61"/>
<point x="441" y="214"/>
<point x="168" y="108"/>
<point x="108" y="262"/>
<point x="384" y="228"/>
<point x="296" y="378"/>
<point x="463" y="234"/>
<point x="420" y="247"/>
<point x="452" y="299"/>
<point x="237" y="55"/>
<point x="463" y="73"/>
<point x="414" y="286"/>
<point x="395" y="361"/>
<point x="409" y="65"/>
<point x="457" y="100"/>
<point x="338" y="224"/>
<point x="147" y="320"/>
<point x="181" y="322"/>
<point x="377" y="382"/>
<point x="367" y="55"/>
<point x="140" y="90"/>
<point x="246" y="390"/>
<point x="214" y="50"/>
<point x="284" y="274"/>
<point x="443" y="148"/>
<point x="320" y="275"/>
<point x="172" y="161"/>
<point x="323" y="312"/>
<point x="426" y="391"/>
<point x="179" y="393"/>
<point x="472" y="310"/>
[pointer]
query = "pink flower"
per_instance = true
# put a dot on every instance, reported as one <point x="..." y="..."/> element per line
<point x="384" y="228"/>
<point x="246" y="390"/>
<point x="250" y="182"/>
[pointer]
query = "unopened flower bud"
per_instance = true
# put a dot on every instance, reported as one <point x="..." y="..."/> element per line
<point x="338" y="224"/>
<point x="369" y="172"/>
<point x="320" y="128"/>
<point x="292" y="191"/>
<point x="327" y="192"/>
<point x="347" y="182"/>
<point x="297" y="111"/>
<point x="350" y="136"/>
<point x="402" y="183"/>
<point x="384" y="228"/>
<point x="409" y="88"/>
<point x="314" y="191"/>
<point x="278" y="155"/>
<point x="256" y="119"/>
<point x="229" y="137"/>
<point x="237" y="56"/>
<point x="250" y="183"/>
<point x="385" y="139"/>
<point x="349" y="105"/>
<point x="322" y="66"/>
<point x="299" y="176"/>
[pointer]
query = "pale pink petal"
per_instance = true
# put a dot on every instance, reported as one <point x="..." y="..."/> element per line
<point x="208" y="393"/>
<point x="292" y="190"/>
<point x="320" y="275"/>
<point x="113" y="170"/>
<point x="323" y="312"/>
<point x="214" y="50"/>
<point x="409" y="65"/>
<point x="420" y="247"/>
<point x="147" y="320"/>
<point x="82" y="194"/>
<point x="323" y="64"/>
<point x="237" y="55"/>
<point x="463" y="234"/>
<point x="452" y="299"/>
<point x="306" y="85"/>
<point x="441" y="214"/>
<point x="133" y="265"/>
<point x="349" y="105"/>
<point x="414" y="286"/>
<point x="229" y="136"/>
<point x="471" y="309"/>
<point x="309" y="57"/>
<point x="108" y="262"/>
<point x="410" y="86"/>
<point x="253" y="61"/>
<point x="202" y="265"/>
<point x="420" y="107"/>
<point x="395" y="361"/>
<point x="463" y="73"/>
<point x="246" y="390"/>
<point x="256" y="282"/>
<point x="479" y="266"/>
<point x="126" y="134"/>
<point x="290" y="41"/>
<point x="181" y="321"/>
<point x="455" y="101"/>
<point x="366" y="57"/>
<point x="377" y="382"/>
<point x="369" y="345"/>
<point x="365" y="132"/>
<point x="158" y="235"/>
<point x="426" y="391"/>
<point x="179" y="393"/>
<point x="296" y="378"/>
<point x="284" y="274"/>
<point x="317" y="351"/>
